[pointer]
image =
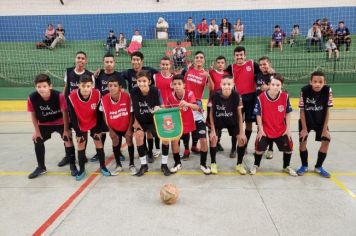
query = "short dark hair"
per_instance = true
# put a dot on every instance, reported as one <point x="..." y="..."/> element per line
<point x="227" y="77"/>
<point x="240" y="49"/>
<point x="295" y="26"/>
<point x="40" y="78"/>
<point x="80" y="52"/>
<point x="143" y="73"/>
<point x="108" y="55"/>
<point x="199" y="52"/>
<point x="85" y="79"/>
<point x="165" y="58"/>
<point x="178" y="77"/>
<point x="137" y="54"/>
<point x="278" y="77"/>
<point x="317" y="73"/>
<point x="114" y="79"/>
<point x="343" y="22"/>
<point x="265" y="58"/>
<point x="220" y="58"/>
<point x="276" y="26"/>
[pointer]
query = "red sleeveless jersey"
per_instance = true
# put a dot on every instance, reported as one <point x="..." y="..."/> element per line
<point x="117" y="114"/>
<point x="195" y="81"/>
<point x="244" y="77"/>
<point x="164" y="86"/>
<point x="216" y="77"/>
<point x="85" y="110"/>
<point x="186" y="112"/>
<point x="273" y="114"/>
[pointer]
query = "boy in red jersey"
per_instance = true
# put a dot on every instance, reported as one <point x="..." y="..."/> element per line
<point x="315" y="102"/>
<point x="244" y="72"/>
<point x="185" y="100"/>
<point x="84" y="114"/>
<point x="226" y="112"/>
<point x="145" y="100"/>
<point x="273" y="118"/>
<point x="119" y="119"/>
<point x="163" y="79"/>
<point x="49" y="114"/>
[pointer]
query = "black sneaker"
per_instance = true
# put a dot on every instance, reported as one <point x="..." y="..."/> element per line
<point x="95" y="158"/>
<point x="63" y="162"/>
<point x="37" y="172"/>
<point x="143" y="169"/>
<point x="150" y="158"/>
<point x="233" y="154"/>
<point x="219" y="148"/>
<point x="73" y="170"/>
<point x="165" y="170"/>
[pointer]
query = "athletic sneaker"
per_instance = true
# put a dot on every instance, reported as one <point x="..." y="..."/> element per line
<point x="233" y="154"/>
<point x="241" y="169"/>
<point x="94" y="158"/>
<point x="214" y="168"/>
<point x="73" y="170"/>
<point x="219" y="148"/>
<point x="116" y="170"/>
<point x="150" y="158"/>
<point x="165" y="170"/>
<point x="63" y="162"/>
<point x="156" y="153"/>
<point x="80" y="176"/>
<point x="176" y="168"/>
<point x="186" y="154"/>
<point x="322" y="172"/>
<point x="132" y="169"/>
<point x="269" y="154"/>
<point x="195" y="149"/>
<point x="290" y="171"/>
<point x="143" y="169"/>
<point x="37" y="172"/>
<point x="301" y="171"/>
<point x="206" y="170"/>
<point x="253" y="170"/>
<point x="105" y="172"/>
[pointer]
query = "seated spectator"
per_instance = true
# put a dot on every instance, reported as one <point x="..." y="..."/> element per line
<point x="226" y="36"/>
<point x="331" y="48"/>
<point x="326" y="29"/>
<point x="162" y="28"/>
<point x="189" y="29"/>
<point x="318" y="22"/>
<point x="342" y="36"/>
<point x="277" y="38"/>
<point x="120" y="43"/>
<point x="239" y="31"/>
<point x="136" y="43"/>
<point x="59" y="36"/>
<point x="314" y="37"/>
<point x="110" y="42"/>
<point x="203" y="30"/>
<point x="50" y="35"/>
<point x="213" y="32"/>
<point x="179" y="54"/>
<point x="294" y="35"/>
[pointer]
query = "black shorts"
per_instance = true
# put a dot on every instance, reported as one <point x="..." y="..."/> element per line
<point x="47" y="130"/>
<point x="150" y="128"/>
<point x="120" y="133"/>
<point x="318" y="132"/>
<point x="249" y="101"/>
<point x="233" y="130"/>
<point x="284" y="144"/>
<point x="200" y="131"/>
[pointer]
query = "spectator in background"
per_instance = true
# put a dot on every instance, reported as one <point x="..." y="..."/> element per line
<point x="239" y="31"/>
<point x="59" y="36"/>
<point x="189" y="29"/>
<point x="120" y="43"/>
<point x="314" y="36"/>
<point x="226" y="36"/>
<point x="162" y="28"/>
<point x="110" y="42"/>
<point x="342" y="36"/>
<point x="203" y="30"/>
<point x="294" y="35"/>
<point x="136" y="43"/>
<point x="277" y="38"/>
<point x="331" y="48"/>
<point x="50" y="35"/>
<point x="213" y="32"/>
<point x="179" y="54"/>
<point x="326" y="29"/>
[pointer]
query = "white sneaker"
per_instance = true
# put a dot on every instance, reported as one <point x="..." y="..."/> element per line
<point x="290" y="171"/>
<point x="241" y="169"/>
<point x="132" y="169"/>
<point x="268" y="154"/>
<point x="253" y="170"/>
<point x="206" y="170"/>
<point x="156" y="153"/>
<point x="116" y="170"/>
<point x="176" y="168"/>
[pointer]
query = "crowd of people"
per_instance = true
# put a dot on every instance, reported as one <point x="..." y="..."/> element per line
<point x="122" y="104"/>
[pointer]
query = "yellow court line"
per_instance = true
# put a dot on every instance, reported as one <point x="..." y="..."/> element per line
<point x="21" y="105"/>
<point x="342" y="186"/>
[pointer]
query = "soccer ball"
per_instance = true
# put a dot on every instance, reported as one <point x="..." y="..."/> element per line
<point x="169" y="194"/>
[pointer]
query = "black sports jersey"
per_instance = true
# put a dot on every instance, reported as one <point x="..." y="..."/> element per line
<point x="225" y="109"/>
<point x="143" y="105"/>
<point x="101" y="82"/>
<point x="73" y="80"/>
<point x="130" y="76"/>
<point x="260" y="80"/>
<point x="315" y="105"/>
<point x="46" y="111"/>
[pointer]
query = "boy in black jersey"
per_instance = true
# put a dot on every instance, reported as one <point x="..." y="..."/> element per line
<point x="49" y="114"/>
<point x="145" y="100"/>
<point x="226" y="112"/>
<point x="315" y="102"/>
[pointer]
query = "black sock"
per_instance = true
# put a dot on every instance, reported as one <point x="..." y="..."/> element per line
<point x="165" y="149"/>
<point x="141" y="150"/>
<point x="248" y="135"/>
<point x="304" y="157"/>
<point x="233" y="143"/>
<point x="240" y="154"/>
<point x="186" y="139"/>
<point x="195" y="141"/>
<point x="103" y="138"/>
<point x="176" y="158"/>
<point x="116" y="150"/>
<point x="321" y="159"/>
<point x="213" y="154"/>
<point x="157" y="142"/>
<point x="286" y="159"/>
<point x="150" y="145"/>
<point x="81" y="160"/>
<point x="40" y="154"/>
<point x="70" y="154"/>
<point x="101" y="157"/>
<point x="203" y="157"/>
<point x="270" y="146"/>
<point x="258" y="158"/>
<point x="131" y="150"/>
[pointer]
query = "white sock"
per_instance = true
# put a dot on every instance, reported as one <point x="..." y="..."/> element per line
<point x="143" y="160"/>
<point x="164" y="160"/>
